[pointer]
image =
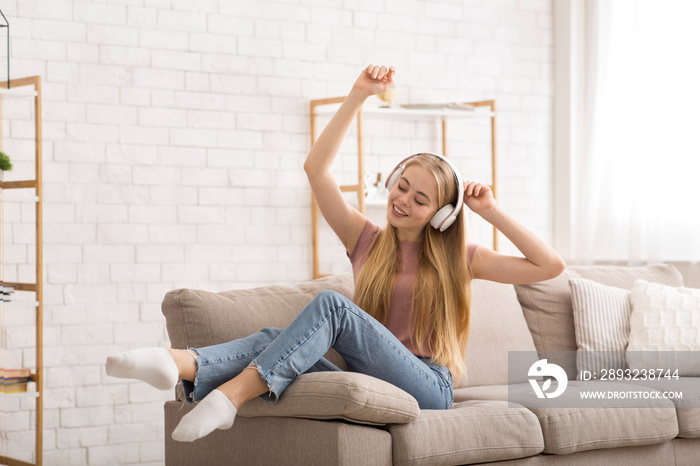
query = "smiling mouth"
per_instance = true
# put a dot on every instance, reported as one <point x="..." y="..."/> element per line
<point x="396" y="209"/>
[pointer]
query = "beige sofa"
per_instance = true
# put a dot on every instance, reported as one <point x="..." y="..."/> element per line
<point x="352" y="419"/>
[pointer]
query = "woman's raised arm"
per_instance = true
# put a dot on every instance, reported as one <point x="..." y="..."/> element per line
<point x="345" y="220"/>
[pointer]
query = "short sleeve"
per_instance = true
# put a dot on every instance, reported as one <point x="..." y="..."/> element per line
<point x="471" y="249"/>
<point x="364" y="244"/>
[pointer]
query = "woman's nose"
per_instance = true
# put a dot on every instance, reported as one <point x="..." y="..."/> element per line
<point x="404" y="198"/>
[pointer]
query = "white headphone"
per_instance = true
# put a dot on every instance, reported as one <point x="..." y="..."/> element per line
<point x="446" y="215"/>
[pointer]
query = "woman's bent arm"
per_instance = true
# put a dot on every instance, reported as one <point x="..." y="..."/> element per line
<point x="541" y="261"/>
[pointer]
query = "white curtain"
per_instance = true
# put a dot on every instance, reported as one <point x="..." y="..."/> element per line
<point x="636" y="177"/>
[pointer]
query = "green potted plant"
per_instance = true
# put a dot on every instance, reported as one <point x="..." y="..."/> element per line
<point x="5" y="164"/>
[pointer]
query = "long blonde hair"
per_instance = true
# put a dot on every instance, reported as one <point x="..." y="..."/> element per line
<point x="442" y="294"/>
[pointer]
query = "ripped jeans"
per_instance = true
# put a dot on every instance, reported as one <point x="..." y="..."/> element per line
<point x="330" y="320"/>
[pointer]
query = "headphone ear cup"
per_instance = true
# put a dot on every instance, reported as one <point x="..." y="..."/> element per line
<point x="443" y="218"/>
<point x="395" y="175"/>
<point x="448" y="222"/>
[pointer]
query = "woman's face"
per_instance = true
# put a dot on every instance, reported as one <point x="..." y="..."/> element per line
<point x="412" y="203"/>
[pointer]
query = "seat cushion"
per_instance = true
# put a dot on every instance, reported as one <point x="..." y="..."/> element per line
<point x="470" y="432"/>
<point x="549" y="312"/>
<point x="349" y="396"/>
<point x="687" y="406"/>
<point x="482" y="392"/>
<point x="570" y="424"/>
<point x="571" y="430"/>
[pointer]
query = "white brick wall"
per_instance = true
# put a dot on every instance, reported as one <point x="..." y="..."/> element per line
<point x="174" y="136"/>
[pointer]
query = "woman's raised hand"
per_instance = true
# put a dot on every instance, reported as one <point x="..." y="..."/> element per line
<point x="375" y="79"/>
<point x="478" y="197"/>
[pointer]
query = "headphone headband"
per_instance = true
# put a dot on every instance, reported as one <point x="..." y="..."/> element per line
<point x="446" y="215"/>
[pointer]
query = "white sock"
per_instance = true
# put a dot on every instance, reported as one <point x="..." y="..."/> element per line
<point x="154" y="366"/>
<point x="215" y="411"/>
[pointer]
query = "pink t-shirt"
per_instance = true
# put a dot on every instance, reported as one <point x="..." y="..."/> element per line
<point x="398" y="322"/>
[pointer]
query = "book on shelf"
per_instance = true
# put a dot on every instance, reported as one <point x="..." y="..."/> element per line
<point x="5" y="292"/>
<point x="15" y="380"/>
<point x="15" y="388"/>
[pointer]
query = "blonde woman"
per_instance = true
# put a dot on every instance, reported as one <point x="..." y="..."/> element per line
<point x="409" y="321"/>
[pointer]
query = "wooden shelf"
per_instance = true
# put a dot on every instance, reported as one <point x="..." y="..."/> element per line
<point x="21" y="286"/>
<point x="29" y="88"/>
<point x="25" y="184"/>
<point x="318" y="107"/>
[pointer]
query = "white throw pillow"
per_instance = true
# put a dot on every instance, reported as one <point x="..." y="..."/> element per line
<point x="665" y="326"/>
<point x="601" y="323"/>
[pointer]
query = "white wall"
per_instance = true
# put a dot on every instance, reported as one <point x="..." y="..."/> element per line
<point x="175" y="132"/>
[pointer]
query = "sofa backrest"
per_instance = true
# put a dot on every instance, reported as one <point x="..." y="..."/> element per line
<point x="497" y="327"/>
<point x="197" y="318"/>
<point x="549" y="313"/>
<point x="499" y="324"/>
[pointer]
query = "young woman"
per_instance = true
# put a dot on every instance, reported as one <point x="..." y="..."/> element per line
<point x="409" y="321"/>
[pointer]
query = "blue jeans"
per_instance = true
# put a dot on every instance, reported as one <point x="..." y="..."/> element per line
<point x="330" y="320"/>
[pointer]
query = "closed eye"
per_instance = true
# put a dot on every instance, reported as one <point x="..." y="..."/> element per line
<point x="403" y="189"/>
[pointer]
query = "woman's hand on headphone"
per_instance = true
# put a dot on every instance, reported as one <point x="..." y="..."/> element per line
<point x="478" y="197"/>
<point x="375" y="79"/>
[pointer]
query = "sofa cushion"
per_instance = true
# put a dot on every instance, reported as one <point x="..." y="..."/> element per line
<point x="470" y="432"/>
<point x="687" y="405"/>
<point x="664" y="328"/>
<point x="602" y="325"/>
<point x="549" y="313"/>
<point x="571" y="430"/>
<point x="570" y="424"/>
<point x="349" y="396"/>
<point x="574" y="430"/>
<point x="494" y="305"/>
<point x="483" y="392"/>
<point x="196" y="318"/>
